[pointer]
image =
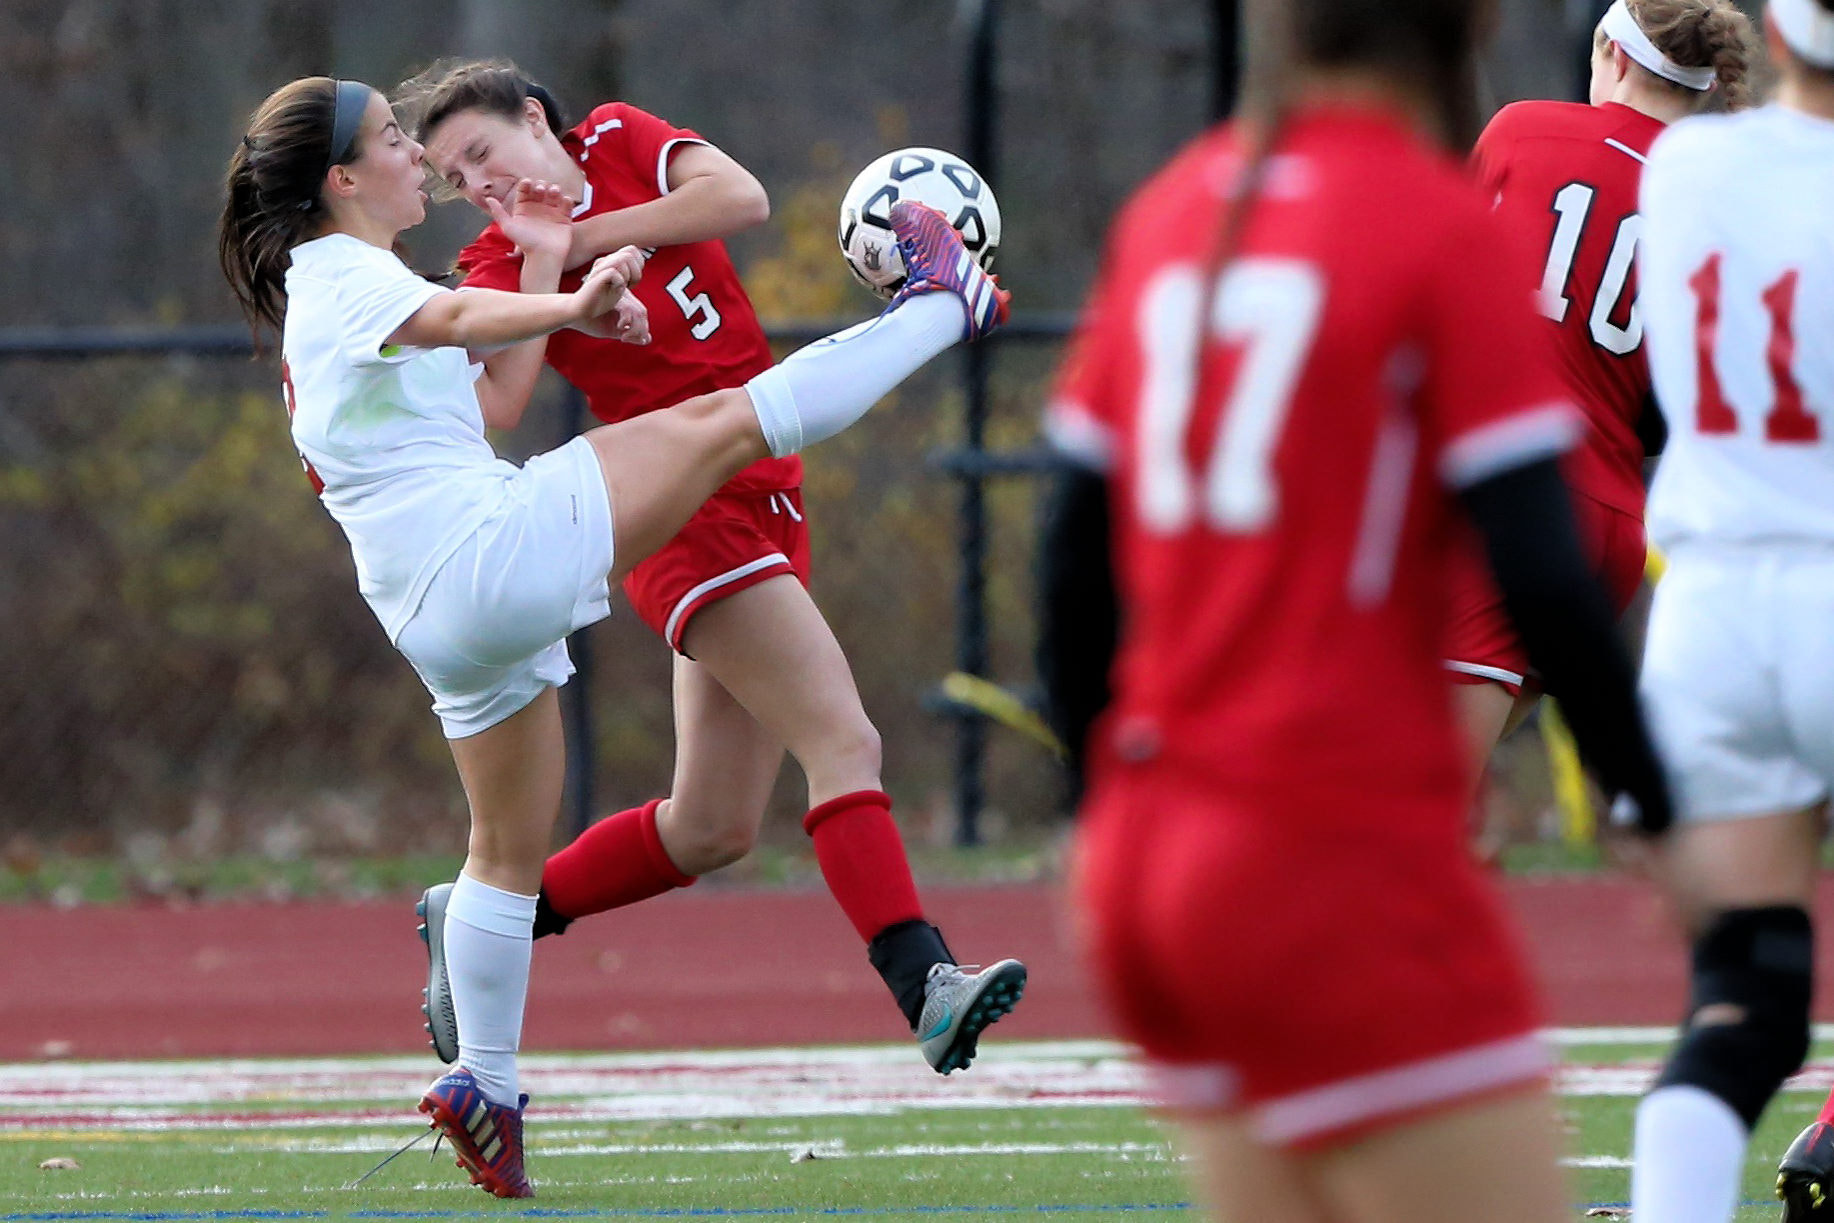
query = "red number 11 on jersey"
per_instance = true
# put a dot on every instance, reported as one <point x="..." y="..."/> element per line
<point x="1789" y="420"/>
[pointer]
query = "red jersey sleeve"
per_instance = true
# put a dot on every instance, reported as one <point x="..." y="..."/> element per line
<point x="1495" y="150"/>
<point x="1492" y="400"/>
<point x="648" y="142"/>
<point x="491" y="262"/>
<point x="1080" y="420"/>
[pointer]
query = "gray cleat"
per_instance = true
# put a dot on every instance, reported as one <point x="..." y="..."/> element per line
<point x="958" y="1003"/>
<point x="442" y="1022"/>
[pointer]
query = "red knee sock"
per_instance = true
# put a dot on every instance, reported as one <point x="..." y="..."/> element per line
<point x="1827" y="1111"/>
<point x="618" y="861"/>
<point x="862" y="858"/>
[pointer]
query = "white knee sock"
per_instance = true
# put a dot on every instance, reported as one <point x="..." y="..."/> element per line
<point x="489" y="933"/>
<point x="1689" y="1159"/>
<point x="817" y="391"/>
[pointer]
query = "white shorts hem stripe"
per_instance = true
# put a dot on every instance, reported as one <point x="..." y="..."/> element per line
<point x="1479" y="669"/>
<point x="1352" y="1102"/>
<point x="688" y="600"/>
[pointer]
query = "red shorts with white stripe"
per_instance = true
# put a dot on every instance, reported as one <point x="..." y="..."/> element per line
<point x="1481" y="643"/>
<point x="1319" y="966"/>
<point x="733" y="542"/>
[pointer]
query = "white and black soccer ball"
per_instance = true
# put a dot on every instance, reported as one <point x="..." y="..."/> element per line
<point x="930" y="176"/>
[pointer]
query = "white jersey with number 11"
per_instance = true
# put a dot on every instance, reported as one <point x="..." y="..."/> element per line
<point x="1738" y="299"/>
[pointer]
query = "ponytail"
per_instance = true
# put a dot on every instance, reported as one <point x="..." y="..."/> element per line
<point x="272" y="195"/>
<point x="1704" y="34"/>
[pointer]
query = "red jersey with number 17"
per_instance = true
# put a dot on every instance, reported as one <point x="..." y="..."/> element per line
<point x="1283" y="537"/>
<point x="705" y="336"/>
<point x="1566" y="175"/>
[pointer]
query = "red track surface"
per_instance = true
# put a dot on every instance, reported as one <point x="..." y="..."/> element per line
<point x="699" y="968"/>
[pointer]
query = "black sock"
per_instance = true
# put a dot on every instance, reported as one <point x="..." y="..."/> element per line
<point x="903" y="954"/>
<point x="547" y="921"/>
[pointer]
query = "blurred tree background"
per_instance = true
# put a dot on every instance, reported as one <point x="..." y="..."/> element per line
<point x="188" y="668"/>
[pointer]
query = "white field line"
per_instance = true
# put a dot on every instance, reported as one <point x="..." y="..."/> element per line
<point x="232" y="1096"/>
<point x="834" y="1148"/>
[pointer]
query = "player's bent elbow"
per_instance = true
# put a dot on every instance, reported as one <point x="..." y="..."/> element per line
<point x="751" y="203"/>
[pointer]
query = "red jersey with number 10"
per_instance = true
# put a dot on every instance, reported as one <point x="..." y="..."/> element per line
<point x="1566" y="175"/>
<point x="1283" y="540"/>
<point x="705" y="336"/>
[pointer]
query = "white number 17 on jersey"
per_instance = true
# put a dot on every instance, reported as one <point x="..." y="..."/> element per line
<point x="1272" y="306"/>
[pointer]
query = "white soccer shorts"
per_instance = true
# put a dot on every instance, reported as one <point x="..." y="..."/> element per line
<point x="1738" y="680"/>
<point x="491" y="632"/>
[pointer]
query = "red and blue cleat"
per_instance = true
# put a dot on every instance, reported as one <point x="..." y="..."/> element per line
<point x="486" y="1137"/>
<point x="935" y="261"/>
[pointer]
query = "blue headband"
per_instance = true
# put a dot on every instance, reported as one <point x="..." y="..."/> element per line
<point x="346" y="118"/>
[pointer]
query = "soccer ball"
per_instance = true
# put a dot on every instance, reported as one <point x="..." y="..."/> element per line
<point x="943" y="181"/>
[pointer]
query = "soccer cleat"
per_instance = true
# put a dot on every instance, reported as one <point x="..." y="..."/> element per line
<point x="436" y="1004"/>
<point x="958" y="1003"/>
<point x="1805" y="1178"/>
<point x="935" y="261"/>
<point x="486" y="1137"/>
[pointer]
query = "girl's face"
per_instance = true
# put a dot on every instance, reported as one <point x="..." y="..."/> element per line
<point x="390" y="173"/>
<point x="483" y="155"/>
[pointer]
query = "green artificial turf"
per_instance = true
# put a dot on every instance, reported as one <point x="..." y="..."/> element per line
<point x="283" y="1154"/>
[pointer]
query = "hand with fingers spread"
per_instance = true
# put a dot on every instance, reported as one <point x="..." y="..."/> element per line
<point x="538" y="218"/>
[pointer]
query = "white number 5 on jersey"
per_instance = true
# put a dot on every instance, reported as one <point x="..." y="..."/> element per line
<point x="1272" y="308"/>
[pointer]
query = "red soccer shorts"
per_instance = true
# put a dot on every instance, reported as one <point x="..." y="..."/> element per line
<point x="1318" y="966"/>
<point x="1481" y="643"/>
<point x="733" y="542"/>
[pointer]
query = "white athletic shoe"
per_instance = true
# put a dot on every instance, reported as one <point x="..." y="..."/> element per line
<point x="442" y="1022"/>
<point x="958" y="1002"/>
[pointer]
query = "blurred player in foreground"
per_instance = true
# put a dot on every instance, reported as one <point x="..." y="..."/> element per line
<point x="1312" y="352"/>
<point x="1565" y="174"/>
<point x="756" y="666"/>
<point x="1738" y="671"/>
<point x="479" y="569"/>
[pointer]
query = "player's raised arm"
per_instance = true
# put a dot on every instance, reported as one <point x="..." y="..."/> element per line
<point x="710" y="196"/>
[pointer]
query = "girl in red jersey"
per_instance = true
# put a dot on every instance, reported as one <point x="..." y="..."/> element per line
<point x="1565" y="174"/>
<point x="1278" y="405"/>
<point x="757" y="668"/>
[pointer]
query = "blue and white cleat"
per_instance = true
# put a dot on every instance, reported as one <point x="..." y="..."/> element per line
<point x="442" y="1021"/>
<point x="936" y="261"/>
<point x="958" y="1004"/>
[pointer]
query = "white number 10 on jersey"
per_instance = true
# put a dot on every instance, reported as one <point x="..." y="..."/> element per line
<point x="1271" y="307"/>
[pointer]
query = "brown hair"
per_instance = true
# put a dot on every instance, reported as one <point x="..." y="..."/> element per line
<point x="1431" y="41"/>
<point x="1702" y="34"/>
<point x="272" y="194"/>
<point x="448" y="87"/>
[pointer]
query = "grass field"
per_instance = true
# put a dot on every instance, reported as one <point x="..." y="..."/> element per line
<point x="1039" y="1131"/>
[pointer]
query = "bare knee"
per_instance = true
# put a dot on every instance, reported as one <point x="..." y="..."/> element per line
<point x="846" y="758"/>
<point x="699" y="842"/>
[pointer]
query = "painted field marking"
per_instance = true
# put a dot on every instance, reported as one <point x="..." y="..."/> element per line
<point x="120" y="1100"/>
<point x="715" y="1212"/>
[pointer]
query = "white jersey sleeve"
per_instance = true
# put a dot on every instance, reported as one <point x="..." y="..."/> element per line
<point x="1737" y="292"/>
<point x="378" y="293"/>
<point x="394" y="433"/>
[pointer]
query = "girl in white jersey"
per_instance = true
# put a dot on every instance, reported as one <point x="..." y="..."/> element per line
<point x="1737" y="270"/>
<point x="476" y="568"/>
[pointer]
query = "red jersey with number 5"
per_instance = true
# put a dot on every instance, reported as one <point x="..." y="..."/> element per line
<point x="705" y="336"/>
<point x="1282" y="531"/>
<point x="1566" y="175"/>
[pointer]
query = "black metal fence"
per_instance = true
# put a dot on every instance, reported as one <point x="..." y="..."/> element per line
<point x="970" y="464"/>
